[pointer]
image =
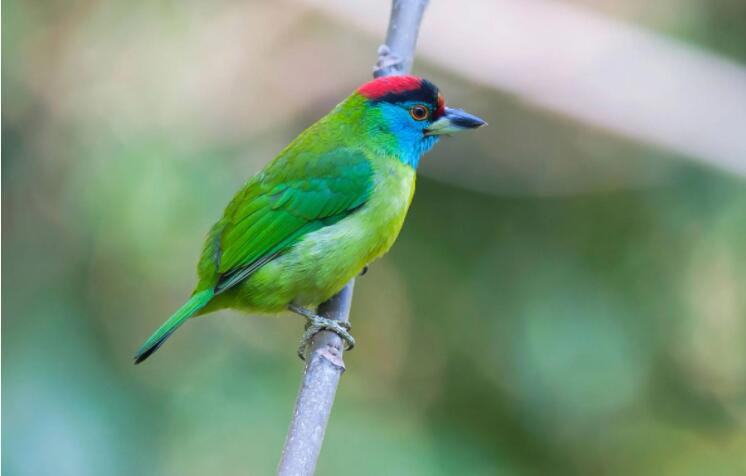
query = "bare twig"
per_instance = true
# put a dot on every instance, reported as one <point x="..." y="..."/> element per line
<point x="324" y="363"/>
<point x="323" y="369"/>
<point x="396" y="55"/>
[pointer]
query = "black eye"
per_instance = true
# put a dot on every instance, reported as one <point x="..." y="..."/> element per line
<point x="419" y="112"/>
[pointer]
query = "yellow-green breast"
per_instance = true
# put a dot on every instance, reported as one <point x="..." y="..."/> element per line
<point x="319" y="265"/>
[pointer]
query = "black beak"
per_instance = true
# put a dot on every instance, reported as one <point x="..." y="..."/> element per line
<point x="454" y="120"/>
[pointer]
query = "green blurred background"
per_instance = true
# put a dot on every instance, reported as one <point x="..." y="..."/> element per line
<point x="563" y="299"/>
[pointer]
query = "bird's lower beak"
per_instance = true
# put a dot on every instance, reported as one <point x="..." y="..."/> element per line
<point x="454" y="120"/>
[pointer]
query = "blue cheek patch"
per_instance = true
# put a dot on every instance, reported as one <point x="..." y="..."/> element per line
<point x="409" y="133"/>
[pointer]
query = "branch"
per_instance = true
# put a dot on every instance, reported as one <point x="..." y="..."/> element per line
<point x="396" y="55"/>
<point x="323" y="369"/>
<point x="324" y="365"/>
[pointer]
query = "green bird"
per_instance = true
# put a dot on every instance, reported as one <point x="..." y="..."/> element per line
<point x="331" y="202"/>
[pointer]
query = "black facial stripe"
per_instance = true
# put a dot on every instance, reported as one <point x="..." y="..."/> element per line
<point x="427" y="93"/>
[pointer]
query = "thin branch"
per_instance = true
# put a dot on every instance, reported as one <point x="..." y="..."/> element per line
<point x="316" y="396"/>
<point x="324" y="365"/>
<point x="397" y="54"/>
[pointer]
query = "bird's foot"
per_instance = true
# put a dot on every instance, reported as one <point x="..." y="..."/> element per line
<point x="364" y="271"/>
<point x="316" y="324"/>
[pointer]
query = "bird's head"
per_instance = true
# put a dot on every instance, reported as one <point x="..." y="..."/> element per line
<point x="413" y="111"/>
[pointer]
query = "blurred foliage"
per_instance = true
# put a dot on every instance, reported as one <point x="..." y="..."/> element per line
<point x="575" y="306"/>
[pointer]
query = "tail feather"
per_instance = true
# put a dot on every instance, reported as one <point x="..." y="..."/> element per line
<point x="194" y="304"/>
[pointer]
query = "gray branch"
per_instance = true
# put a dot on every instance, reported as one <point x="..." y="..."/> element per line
<point x="324" y="363"/>
<point x="397" y="54"/>
<point x="323" y="369"/>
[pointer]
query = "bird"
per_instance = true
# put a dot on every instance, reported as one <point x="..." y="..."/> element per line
<point x="330" y="203"/>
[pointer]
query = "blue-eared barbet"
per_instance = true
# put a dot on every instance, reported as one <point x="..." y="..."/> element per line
<point x="330" y="203"/>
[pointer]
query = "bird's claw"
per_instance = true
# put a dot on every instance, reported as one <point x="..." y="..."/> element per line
<point x="316" y="324"/>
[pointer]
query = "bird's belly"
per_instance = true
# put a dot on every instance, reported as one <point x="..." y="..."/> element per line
<point x="325" y="260"/>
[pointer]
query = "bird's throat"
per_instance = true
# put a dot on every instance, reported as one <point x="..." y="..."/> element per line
<point x="412" y="152"/>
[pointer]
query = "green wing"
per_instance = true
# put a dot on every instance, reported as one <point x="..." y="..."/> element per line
<point x="293" y="196"/>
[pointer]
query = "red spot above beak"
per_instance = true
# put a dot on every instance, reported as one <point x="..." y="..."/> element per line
<point x="441" y="107"/>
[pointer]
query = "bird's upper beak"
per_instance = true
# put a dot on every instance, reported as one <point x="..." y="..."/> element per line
<point x="454" y="120"/>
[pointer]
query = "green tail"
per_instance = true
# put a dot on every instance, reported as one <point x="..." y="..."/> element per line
<point x="194" y="304"/>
